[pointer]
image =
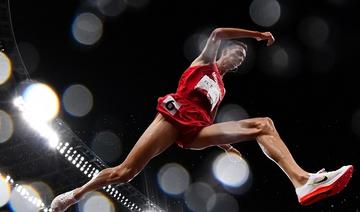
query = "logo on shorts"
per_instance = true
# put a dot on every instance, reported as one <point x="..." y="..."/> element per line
<point x="171" y="105"/>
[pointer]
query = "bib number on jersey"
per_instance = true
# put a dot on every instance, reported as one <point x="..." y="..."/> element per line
<point x="170" y="105"/>
<point x="212" y="89"/>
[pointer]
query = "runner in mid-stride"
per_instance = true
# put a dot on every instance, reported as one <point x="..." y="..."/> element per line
<point x="186" y="118"/>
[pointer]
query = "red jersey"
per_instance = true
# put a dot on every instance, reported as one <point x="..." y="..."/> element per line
<point x="195" y="103"/>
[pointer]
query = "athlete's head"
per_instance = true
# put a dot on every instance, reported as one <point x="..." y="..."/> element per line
<point x="232" y="56"/>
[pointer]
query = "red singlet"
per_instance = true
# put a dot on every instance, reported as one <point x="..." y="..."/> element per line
<point x="195" y="103"/>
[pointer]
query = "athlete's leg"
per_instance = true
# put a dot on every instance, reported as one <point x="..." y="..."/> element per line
<point x="157" y="137"/>
<point x="261" y="129"/>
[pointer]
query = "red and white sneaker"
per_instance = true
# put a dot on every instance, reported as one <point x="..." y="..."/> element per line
<point x="324" y="184"/>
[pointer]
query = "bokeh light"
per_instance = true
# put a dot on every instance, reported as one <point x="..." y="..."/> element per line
<point x="198" y="195"/>
<point x="194" y="44"/>
<point x="265" y="12"/>
<point x="6" y="126"/>
<point x="137" y="3"/>
<point x="45" y="192"/>
<point x="173" y="179"/>
<point x="111" y="8"/>
<point x="107" y="145"/>
<point x="95" y="202"/>
<point x="41" y="101"/>
<point x="314" y="31"/>
<point x="231" y="112"/>
<point x="77" y="100"/>
<point x="4" y="191"/>
<point x="30" y="55"/>
<point x="5" y="68"/>
<point x="221" y="202"/>
<point x="24" y="199"/>
<point x="87" y="28"/>
<point x="231" y="170"/>
<point x="281" y="61"/>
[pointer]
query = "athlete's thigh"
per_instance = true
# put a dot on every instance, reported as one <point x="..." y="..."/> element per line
<point x="157" y="137"/>
<point x="226" y="133"/>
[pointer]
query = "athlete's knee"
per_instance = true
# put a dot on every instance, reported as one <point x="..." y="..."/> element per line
<point x="265" y="125"/>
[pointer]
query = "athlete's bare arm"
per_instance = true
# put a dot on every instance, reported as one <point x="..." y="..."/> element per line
<point x="209" y="53"/>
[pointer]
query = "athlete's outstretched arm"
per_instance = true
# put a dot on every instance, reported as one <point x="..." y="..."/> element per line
<point x="235" y="33"/>
<point x="209" y="53"/>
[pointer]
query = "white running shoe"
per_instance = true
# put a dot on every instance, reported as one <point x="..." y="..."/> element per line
<point x="63" y="201"/>
<point x="324" y="184"/>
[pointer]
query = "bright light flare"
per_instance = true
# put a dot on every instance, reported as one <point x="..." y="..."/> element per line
<point x="41" y="102"/>
<point x="33" y="116"/>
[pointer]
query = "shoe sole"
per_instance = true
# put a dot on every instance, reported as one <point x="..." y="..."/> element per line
<point x="329" y="190"/>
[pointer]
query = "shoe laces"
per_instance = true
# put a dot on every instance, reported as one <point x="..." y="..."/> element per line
<point x="321" y="171"/>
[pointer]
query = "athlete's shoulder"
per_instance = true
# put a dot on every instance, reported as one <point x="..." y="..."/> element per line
<point x="199" y="63"/>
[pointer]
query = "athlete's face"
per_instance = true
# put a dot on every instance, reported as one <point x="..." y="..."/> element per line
<point x="232" y="57"/>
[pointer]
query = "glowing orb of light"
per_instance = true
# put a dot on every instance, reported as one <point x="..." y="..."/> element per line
<point x="87" y="28"/>
<point x="231" y="170"/>
<point x="265" y="12"/>
<point x="173" y="179"/>
<point x="231" y="112"/>
<point x="222" y="202"/>
<point x="41" y="102"/>
<point x="5" y="68"/>
<point x="4" y="192"/>
<point x="77" y="100"/>
<point x="107" y="145"/>
<point x="111" y="8"/>
<point x="95" y="202"/>
<point x="6" y="126"/>
<point x="197" y="196"/>
<point x="25" y="198"/>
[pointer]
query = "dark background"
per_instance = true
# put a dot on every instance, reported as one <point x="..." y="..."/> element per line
<point x="140" y="57"/>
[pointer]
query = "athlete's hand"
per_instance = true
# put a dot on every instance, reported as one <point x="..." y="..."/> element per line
<point x="234" y="151"/>
<point x="266" y="36"/>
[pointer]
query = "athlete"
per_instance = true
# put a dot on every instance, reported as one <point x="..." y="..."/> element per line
<point x="186" y="117"/>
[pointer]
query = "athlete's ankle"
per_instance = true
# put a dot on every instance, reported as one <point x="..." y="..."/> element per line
<point x="301" y="179"/>
<point x="77" y="194"/>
